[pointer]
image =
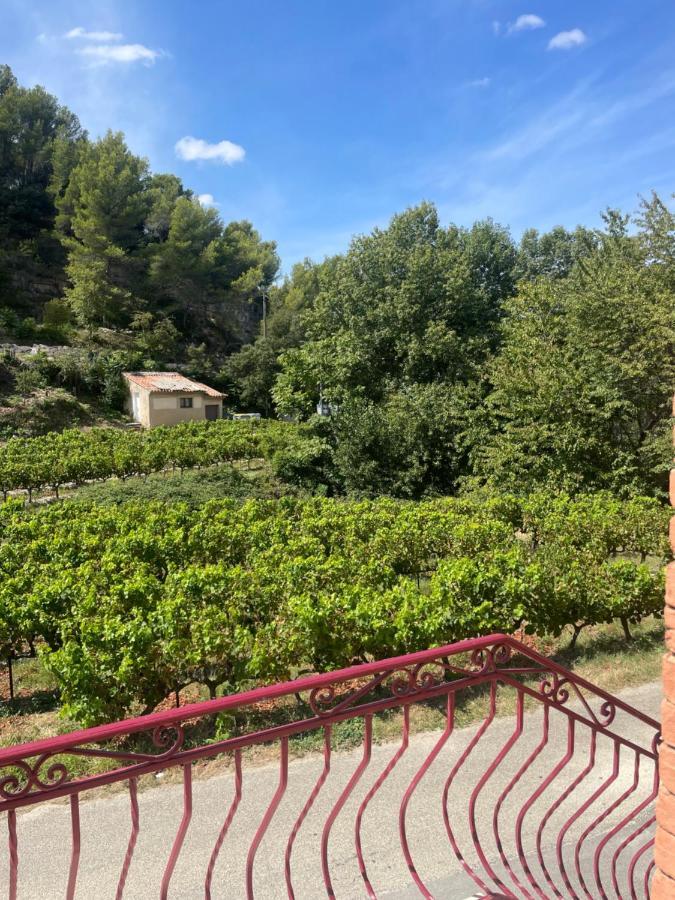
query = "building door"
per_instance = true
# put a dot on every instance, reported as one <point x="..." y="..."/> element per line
<point x="136" y="406"/>
<point x="211" y="411"/>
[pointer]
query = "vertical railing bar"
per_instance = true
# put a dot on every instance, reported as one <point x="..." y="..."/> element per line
<point x="133" y="799"/>
<point x="75" y="855"/>
<point x="13" y="854"/>
<point x="631" y="837"/>
<point x="421" y="772"/>
<point x="594" y="824"/>
<point x="306" y="808"/>
<point x="342" y="799"/>
<point x="610" y="834"/>
<point x="482" y="781"/>
<point x="267" y="818"/>
<point x="552" y="808"/>
<point x="180" y="834"/>
<point x="507" y="790"/>
<point x="371" y="793"/>
<point x="222" y="834"/>
<point x="634" y="861"/>
<point x="451" y="777"/>
<point x="582" y="809"/>
<point x="550" y="778"/>
<point x="648" y="872"/>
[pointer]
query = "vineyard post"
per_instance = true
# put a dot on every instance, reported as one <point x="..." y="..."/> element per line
<point x="663" y="885"/>
<point x="11" y="675"/>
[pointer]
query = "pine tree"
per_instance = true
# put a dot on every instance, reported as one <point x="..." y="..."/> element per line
<point x="102" y="213"/>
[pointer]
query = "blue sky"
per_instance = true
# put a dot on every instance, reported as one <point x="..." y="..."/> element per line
<point x="317" y="120"/>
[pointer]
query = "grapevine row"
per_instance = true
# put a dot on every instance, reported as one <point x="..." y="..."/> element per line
<point x="75" y="457"/>
<point x="128" y="604"/>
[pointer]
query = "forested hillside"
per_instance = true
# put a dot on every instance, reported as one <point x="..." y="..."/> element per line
<point x="448" y="357"/>
<point x="100" y="254"/>
<point x="452" y="357"/>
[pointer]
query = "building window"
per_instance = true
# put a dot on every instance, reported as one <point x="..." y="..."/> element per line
<point x="186" y="402"/>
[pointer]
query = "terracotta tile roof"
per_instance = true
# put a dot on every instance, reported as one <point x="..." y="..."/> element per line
<point x="170" y="382"/>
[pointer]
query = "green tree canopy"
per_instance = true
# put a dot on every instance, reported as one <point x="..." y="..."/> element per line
<point x="102" y="212"/>
<point x="413" y="303"/>
<point x="554" y="253"/>
<point x="584" y="379"/>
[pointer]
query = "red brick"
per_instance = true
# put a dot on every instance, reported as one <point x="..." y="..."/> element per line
<point x="670" y="639"/>
<point x="662" y="887"/>
<point x="667" y="767"/>
<point x="672" y="479"/>
<point x="671" y="528"/>
<point x="669" y="617"/>
<point x="665" y="810"/>
<point x="664" y="852"/>
<point x="669" y="676"/>
<point x="670" y="584"/>
<point x="668" y="722"/>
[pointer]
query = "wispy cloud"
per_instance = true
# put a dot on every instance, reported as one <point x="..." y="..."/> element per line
<point x="565" y="116"/>
<point x="80" y="32"/>
<point x="207" y="200"/>
<point x="120" y="53"/>
<point x="578" y="119"/>
<point x="566" y="40"/>
<point x="191" y="149"/>
<point x="527" y="22"/>
<point x="479" y="83"/>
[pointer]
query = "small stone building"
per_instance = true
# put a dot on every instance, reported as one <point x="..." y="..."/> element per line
<point x="167" y="398"/>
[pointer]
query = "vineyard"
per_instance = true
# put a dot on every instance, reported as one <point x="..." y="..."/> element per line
<point x="75" y="457"/>
<point x="128" y="604"/>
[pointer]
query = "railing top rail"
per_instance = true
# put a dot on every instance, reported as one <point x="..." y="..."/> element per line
<point x="99" y="733"/>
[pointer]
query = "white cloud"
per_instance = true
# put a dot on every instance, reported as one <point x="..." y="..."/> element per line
<point x="80" y="32"/>
<point x="496" y="26"/>
<point x="479" y="83"/>
<point x="191" y="148"/>
<point x="528" y="22"/>
<point x="121" y="53"/>
<point x="565" y="40"/>
<point x="207" y="200"/>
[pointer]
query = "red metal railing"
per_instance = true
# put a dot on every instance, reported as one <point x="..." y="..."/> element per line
<point x="554" y="801"/>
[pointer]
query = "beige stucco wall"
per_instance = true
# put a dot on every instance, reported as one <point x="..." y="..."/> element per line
<point x="161" y="408"/>
<point x="161" y="413"/>
<point x="142" y="413"/>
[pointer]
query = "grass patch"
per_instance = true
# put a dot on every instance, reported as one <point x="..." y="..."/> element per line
<point x="193" y="486"/>
<point x="52" y="409"/>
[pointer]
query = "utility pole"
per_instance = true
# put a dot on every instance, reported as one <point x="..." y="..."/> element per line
<point x="264" y="311"/>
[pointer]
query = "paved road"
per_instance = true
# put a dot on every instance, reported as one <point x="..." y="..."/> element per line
<point x="44" y="835"/>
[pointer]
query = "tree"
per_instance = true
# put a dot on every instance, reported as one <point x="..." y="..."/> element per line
<point x="253" y="370"/>
<point x="156" y="338"/>
<point x="492" y="260"/>
<point x="583" y="383"/>
<point x="408" y="446"/>
<point x="202" y="267"/>
<point x="554" y="253"/>
<point x="398" y="337"/>
<point x="414" y="303"/>
<point x="102" y="214"/>
<point x="32" y="126"/>
<point x="163" y="192"/>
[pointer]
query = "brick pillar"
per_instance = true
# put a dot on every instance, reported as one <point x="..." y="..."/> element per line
<point x="663" y="885"/>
